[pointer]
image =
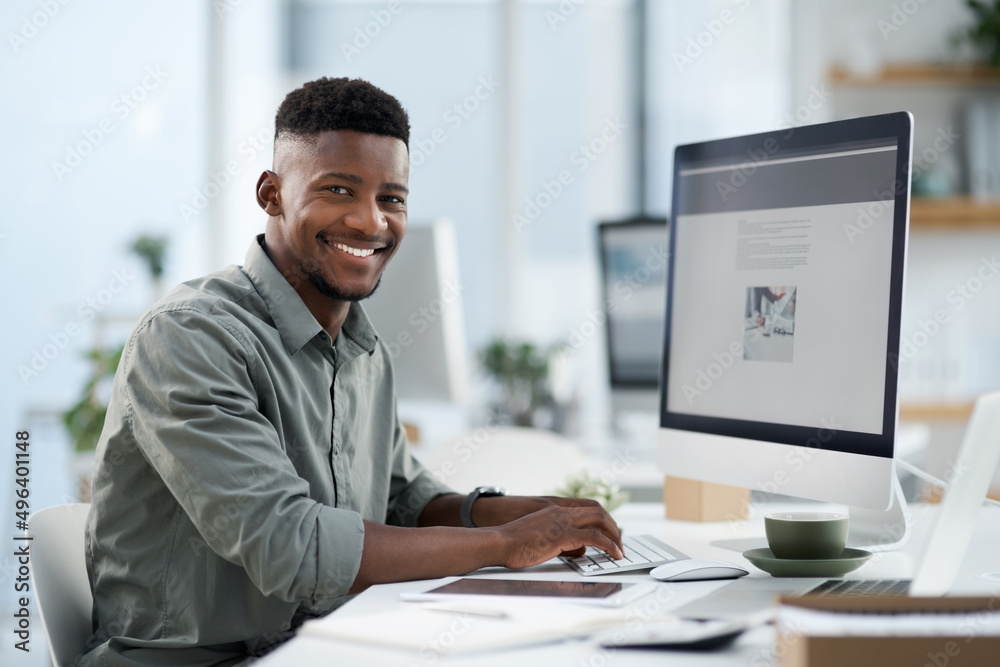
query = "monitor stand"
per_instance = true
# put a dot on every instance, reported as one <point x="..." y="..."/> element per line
<point x="872" y="530"/>
<point x="881" y="530"/>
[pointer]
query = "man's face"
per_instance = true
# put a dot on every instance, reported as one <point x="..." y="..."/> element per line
<point x="342" y="212"/>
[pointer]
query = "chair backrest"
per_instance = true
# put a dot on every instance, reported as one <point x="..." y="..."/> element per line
<point x="59" y="575"/>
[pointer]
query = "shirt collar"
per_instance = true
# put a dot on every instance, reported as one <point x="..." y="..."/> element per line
<point x="359" y="328"/>
<point x="292" y="318"/>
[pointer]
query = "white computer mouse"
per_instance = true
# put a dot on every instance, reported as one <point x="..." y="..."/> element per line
<point x="697" y="569"/>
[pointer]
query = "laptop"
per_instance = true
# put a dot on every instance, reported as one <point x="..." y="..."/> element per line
<point x="942" y="554"/>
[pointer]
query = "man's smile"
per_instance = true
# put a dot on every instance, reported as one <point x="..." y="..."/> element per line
<point x="357" y="252"/>
<point x="354" y="249"/>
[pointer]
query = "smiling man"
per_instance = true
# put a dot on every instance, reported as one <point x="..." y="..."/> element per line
<point x="252" y="472"/>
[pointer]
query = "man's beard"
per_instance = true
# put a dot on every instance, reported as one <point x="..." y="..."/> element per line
<point x="325" y="288"/>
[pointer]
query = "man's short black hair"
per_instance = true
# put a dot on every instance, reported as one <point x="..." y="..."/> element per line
<point x="341" y="104"/>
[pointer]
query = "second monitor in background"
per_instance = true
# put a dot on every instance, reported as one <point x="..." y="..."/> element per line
<point x="633" y="291"/>
<point x="417" y="312"/>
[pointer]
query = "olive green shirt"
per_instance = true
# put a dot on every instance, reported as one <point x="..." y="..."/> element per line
<point x="241" y="452"/>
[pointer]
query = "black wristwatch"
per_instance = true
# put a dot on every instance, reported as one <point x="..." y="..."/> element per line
<point x="479" y="492"/>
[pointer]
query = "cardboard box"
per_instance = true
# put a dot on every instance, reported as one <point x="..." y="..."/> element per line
<point x="691" y="500"/>
<point x="957" y="650"/>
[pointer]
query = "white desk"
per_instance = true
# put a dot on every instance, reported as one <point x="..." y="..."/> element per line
<point x="753" y="648"/>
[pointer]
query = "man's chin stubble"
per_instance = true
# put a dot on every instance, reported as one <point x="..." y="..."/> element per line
<point x="326" y="289"/>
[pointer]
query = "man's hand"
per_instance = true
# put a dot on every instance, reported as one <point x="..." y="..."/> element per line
<point x="516" y="532"/>
<point x="559" y="529"/>
<point x="498" y="510"/>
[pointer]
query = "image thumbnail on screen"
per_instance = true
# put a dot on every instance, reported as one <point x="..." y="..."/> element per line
<point x="769" y="323"/>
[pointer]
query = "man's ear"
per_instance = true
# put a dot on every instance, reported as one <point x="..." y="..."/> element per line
<point x="268" y="197"/>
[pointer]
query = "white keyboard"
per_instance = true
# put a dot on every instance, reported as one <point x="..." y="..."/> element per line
<point x="641" y="553"/>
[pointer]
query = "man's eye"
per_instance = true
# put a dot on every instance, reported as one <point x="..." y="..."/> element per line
<point x="338" y="189"/>
<point x="393" y="200"/>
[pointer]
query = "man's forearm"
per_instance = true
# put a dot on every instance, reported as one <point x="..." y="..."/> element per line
<point x="518" y="537"/>
<point x="443" y="511"/>
<point x="391" y="553"/>
<point x="446" y="510"/>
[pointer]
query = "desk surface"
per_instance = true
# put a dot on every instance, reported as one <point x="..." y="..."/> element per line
<point x="753" y="648"/>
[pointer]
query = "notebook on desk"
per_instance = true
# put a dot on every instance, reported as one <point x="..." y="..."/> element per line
<point x="942" y="555"/>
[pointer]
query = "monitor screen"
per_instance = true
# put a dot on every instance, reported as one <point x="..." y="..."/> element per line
<point x="634" y="269"/>
<point x="786" y="272"/>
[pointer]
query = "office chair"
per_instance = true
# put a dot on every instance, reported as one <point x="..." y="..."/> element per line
<point x="59" y="577"/>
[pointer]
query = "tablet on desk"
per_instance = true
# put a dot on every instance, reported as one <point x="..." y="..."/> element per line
<point x="601" y="593"/>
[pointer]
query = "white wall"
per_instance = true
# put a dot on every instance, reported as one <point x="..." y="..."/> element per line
<point x="115" y="94"/>
<point x="64" y="233"/>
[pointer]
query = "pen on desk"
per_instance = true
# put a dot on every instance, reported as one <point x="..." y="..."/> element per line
<point x="488" y="613"/>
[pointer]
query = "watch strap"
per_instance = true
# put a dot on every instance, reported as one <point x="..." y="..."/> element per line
<point x="474" y="495"/>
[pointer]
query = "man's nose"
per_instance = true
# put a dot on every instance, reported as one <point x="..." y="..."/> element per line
<point x="367" y="218"/>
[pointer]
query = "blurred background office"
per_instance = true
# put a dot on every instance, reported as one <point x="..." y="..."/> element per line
<point x="136" y="132"/>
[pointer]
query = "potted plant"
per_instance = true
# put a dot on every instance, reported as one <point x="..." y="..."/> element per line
<point x="521" y="373"/>
<point x="84" y="421"/>
<point x="985" y="33"/>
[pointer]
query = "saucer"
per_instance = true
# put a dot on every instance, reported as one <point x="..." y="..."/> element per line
<point x="848" y="561"/>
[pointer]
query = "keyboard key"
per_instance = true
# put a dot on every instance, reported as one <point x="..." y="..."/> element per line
<point x="866" y="587"/>
<point x="641" y="552"/>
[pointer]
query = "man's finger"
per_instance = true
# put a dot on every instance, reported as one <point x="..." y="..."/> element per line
<point x="574" y="553"/>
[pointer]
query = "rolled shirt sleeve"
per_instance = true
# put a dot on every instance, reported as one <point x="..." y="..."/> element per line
<point x="242" y="452"/>
<point x="194" y="410"/>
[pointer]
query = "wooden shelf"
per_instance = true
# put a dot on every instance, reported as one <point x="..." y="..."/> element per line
<point x="921" y="412"/>
<point x="959" y="212"/>
<point x="919" y="74"/>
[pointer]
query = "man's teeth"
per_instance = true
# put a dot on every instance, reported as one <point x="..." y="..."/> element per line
<point x="357" y="252"/>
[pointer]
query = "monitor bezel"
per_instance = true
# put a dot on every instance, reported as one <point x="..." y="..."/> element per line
<point x="792" y="140"/>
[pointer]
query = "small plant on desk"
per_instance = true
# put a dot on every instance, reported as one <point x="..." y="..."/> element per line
<point x="585" y="485"/>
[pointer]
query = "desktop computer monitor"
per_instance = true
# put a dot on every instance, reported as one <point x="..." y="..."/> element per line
<point x="782" y="327"/>
<point x="417" y="312"/>
<point x="633" y="286"/>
